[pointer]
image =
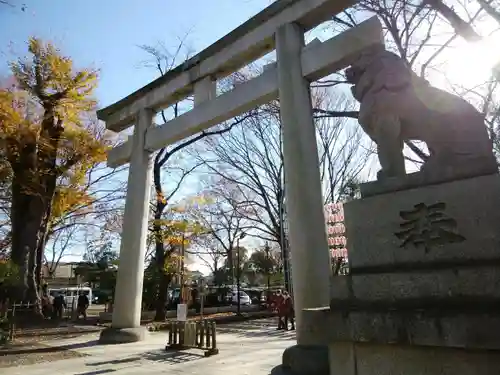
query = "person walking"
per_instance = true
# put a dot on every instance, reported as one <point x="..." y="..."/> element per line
<point x="59" y="305"/>
<point x="82" y="305"/>
<point x="47" y="306"/>
<point x="289" y="312"/>
<point x="279" y="307"/>
<point x="195" y="301"/>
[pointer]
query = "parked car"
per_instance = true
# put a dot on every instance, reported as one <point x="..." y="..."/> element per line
<point x="244" y="299"/>
<point x="255" y="295"/>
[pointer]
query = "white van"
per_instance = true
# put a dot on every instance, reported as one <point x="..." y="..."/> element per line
<point x="71" y="294"/>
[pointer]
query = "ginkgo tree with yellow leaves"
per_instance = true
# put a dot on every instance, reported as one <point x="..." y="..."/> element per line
<point x="47" y="146"/>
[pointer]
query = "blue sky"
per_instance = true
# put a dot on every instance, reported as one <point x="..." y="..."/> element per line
<point x="105" y="34"/>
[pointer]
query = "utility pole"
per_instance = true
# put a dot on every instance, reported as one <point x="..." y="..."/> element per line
<point x="268" y="258"/>
<point x="285" y="251"/>
<point x="238" y="271"/>
<point x="183" y="252"/>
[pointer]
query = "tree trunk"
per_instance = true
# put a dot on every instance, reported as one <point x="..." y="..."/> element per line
<point x="161" y="279"/>
<point x="33" y="188"/>
<point x="27" y="211"/>
<point x="48" y="172"/>
<point x="488" y="8"/>
<point x="285" y="256"/>
<point x="39" y="263"/>
<point x="41" y="248"/>
<point x="26" y="206"/>
<point x="161" y="306"/>
<point x="268" y="283"/>
<point x="230" y="263"/>
<point x="460" y="26"/>
<point x="42" y="241"/>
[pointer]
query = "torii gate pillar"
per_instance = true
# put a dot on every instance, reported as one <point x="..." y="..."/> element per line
<point x="126" y="324"/>
<point x="308" y="240"/>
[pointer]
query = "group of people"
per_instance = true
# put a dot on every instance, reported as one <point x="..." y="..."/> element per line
<point x="283" y="304"/>
<point x="54" y="305"/>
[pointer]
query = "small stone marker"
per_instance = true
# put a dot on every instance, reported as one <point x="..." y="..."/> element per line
<point x="181" y="312"/>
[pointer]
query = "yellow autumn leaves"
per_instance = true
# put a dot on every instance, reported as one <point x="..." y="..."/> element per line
<point x="50" y="81"/>
<point x="178" y="229"/>
<point x="51" y="77"/>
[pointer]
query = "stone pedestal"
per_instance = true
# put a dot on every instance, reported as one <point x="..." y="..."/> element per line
<point x="423" y="295"/>
<point x="306" y="359"/>
<point x="122" y="335"/>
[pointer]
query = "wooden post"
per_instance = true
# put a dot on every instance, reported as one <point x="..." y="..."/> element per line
<point x="170" y="333"/>
<point x="202" y="334"/>
<point x="212" y="330"/>
<point x="176" y="332"/>
<point x="12" y="322"/>
<point x="205" y="328"/>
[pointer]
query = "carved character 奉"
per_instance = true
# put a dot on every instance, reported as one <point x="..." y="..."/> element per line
<point x="396" y="105"/>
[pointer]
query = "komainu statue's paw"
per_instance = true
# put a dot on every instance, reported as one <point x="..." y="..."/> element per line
<point x="379" y="175"/>
<point x="384" y="174"/>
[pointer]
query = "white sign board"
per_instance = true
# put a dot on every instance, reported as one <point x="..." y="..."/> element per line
<point x="182" y="312"/>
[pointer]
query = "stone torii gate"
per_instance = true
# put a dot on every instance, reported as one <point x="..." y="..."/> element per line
<point x="280" y="26"/>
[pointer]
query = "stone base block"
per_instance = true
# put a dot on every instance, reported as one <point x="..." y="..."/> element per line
<point x="371" y="359"/>
<point x="122" y="335"/>
<point x="306" y="360"/>
<point x="447" y="225"/>
<point x="471" y="330"/>
<point x="483" y="167"/>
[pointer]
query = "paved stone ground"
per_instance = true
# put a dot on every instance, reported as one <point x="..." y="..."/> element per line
<point x="252" y="347"/>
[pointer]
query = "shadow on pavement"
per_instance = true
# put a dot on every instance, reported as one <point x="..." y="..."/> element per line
<point x="280" y="370"/>
<point x="172" y="357"/>
<point x="41" y="348"/>
<point x="98" y="372"/>
<point x="80" y="345"/>
<point x="115" y="361"/>
<point x="160" y="355"/>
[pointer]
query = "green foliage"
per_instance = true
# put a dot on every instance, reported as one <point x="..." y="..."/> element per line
<point x="265" y="261"/>
<point x="9" y="278"/>
<point x="222" y="276"/>
<point x="150" y="286"/>
<point x="349" y="190"/>
<point x="102" y="255"/>
<point x="99" y="266"/>
<point x="97" y="277"/>
<point x="9" y="273"/>
<point x="262" y="263"/>
<point x="265" y="266"/>
<point x="4" y="330"/>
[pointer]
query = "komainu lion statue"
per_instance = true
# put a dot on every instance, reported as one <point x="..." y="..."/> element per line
<point x="396" y="105"/>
